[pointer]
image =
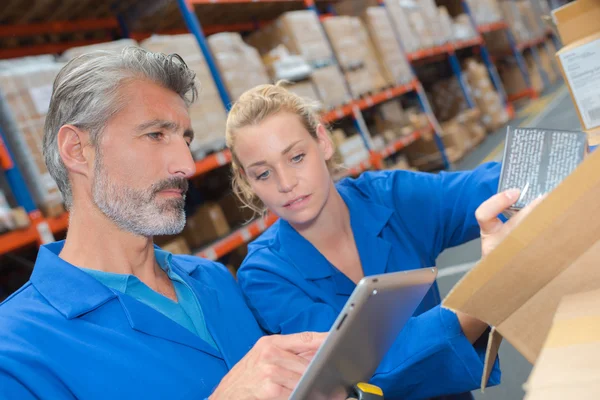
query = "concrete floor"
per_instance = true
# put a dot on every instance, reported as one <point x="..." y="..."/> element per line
<point x="554" y="110"/>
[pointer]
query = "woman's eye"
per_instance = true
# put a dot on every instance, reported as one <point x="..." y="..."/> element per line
<point x="298" y="158"/>
<point x="263" y="176"/>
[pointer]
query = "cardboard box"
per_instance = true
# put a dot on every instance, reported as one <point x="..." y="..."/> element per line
<point x="578" y="59"/>
<point x="554" y="252"/>
<point x="25" y="93"/>
<point x="240" y="64"/>
<point x="447" y="99"/>
<point x="207" y="224"/>
<point x="305" y="89"/>
<point x="410" y="40"/>
<point x="355" y="54"/>
<point x="512" y="79"/>
<point x="547" y="65"/>
<point x="486" y="98"/>
<point x="301" y="33"/>
<point x="392" y="60"/>
<point x="485" y="11"/>
<point x="535" y="75"/>
<point x="567" y="366"/>
<point x="177" y="246"/>
<point x="234" y="210"/>
<point x="330" y="86"/>
<point x="208" y="113"/>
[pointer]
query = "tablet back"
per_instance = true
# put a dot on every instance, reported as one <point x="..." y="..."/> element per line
<point x="364" y="331"/>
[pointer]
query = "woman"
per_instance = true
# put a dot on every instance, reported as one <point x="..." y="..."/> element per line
<point x="300" y="272"/>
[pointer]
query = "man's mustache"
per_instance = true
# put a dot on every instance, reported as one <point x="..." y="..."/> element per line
<point x="171" y="183"/>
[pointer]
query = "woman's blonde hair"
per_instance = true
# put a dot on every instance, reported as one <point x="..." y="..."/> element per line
<point x="252" y="108"/>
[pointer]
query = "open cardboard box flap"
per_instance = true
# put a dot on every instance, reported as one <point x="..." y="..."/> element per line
<point x="554" y="252"/>
<point x="567" y="365"/>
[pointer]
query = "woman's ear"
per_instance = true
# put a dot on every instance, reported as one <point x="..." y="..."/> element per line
<point x="325" y="142"/>
<point x="71" y="144"/>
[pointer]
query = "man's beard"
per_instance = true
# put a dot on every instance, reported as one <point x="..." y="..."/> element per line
<point x="139" y="211"/>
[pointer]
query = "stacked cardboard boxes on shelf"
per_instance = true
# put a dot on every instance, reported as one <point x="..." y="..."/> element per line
<point x="447" y="98"/>
<point x="493" y="113"/>
<point x="524" y="22"/>
<point x="355" y="54"/>
<point x="11" y="218"/>
<point x="392" y="122"/>
<point x="208" y="113"/>
<point x="301" y="33"/>
<point x="459" y="135"/>
<point x="240" y="65"/>
<point x="485" y="11"/>
<point x="393" y="61"/>
<point x="25" y="93"/>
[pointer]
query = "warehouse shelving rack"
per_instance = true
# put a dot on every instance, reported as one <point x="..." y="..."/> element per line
<point x="41" y="230"/>
<point x="516" y="50"/>
<point x="14" y="240"/>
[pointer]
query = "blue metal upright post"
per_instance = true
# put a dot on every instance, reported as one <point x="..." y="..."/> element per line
<point x="423" y="101"/>
<point x="455" y="64"/>
<point x="485" y="56"/>
<point x="192" y="23"/>
<point x="519" y="58"/>
<point x="123" y="26"/>
<point x="538" y="62"/>
<point x="14" y="177"/>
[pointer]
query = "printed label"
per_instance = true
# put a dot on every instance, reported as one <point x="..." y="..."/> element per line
<point x="583" y="74"/>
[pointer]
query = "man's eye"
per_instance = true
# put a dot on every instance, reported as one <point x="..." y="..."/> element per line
<point x="155" y="135"/>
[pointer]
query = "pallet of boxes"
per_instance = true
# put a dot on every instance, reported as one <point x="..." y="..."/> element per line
<point x="25" y="91"/>
<point x="208" y="114"/>
<point x="11" y="218"/>
<point x="299" y="34"/>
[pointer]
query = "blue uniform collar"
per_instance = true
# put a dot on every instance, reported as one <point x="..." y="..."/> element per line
<point x="367" y="219"/>
<point x="76" y="292"/>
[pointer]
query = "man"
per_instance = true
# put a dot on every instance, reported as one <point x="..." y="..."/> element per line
<point x="105" y="313"/>
<point x="108" y="315"/>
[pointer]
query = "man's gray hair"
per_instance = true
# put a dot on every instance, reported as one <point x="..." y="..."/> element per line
<point x="86" y="95"/>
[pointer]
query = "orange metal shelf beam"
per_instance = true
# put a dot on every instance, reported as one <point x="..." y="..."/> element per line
<point x="431" y="52"/>
<point x="494" y="26"/>
<point x="199" y="2"/>
<point x="531" y="43"/>
<point x="530" y="92"/>
<point x="139" y="36"/>
<point x="45" y="48"/>
<point x="212" y="162"/>
<point x="18" y="239"/>
<point x="367" y="102"/>
<point x="463" y="44"/>
<point x="57" y="27"/>
<point x="237" y="238"/>
<point x="399" y="144"/>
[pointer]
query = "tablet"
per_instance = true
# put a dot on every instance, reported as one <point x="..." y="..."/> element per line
<point x="363" y="332"/>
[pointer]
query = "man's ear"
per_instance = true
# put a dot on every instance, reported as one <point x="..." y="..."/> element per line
<point x="72" y="142"/>
<point x="325" y="142"/>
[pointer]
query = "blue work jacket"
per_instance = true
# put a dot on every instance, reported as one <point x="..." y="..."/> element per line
<point x="64" y="335"/>
<point x="401" y="220"/>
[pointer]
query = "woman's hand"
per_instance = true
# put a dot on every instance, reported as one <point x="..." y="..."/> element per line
<point x="493" y="230"/>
